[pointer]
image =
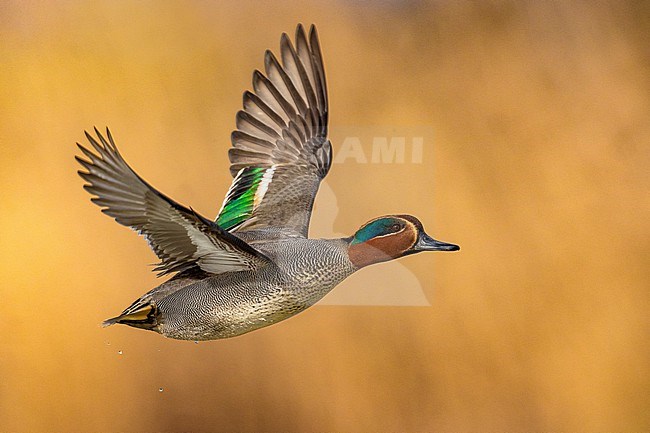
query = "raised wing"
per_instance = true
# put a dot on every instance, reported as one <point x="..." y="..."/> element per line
<point x="180" y="237"/>
<point x="280" y="149"/>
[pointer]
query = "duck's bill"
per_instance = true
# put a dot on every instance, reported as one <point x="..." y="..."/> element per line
<point x="427" y="243"/>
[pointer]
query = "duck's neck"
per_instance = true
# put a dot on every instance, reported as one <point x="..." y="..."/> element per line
<point x="372" y="251"/>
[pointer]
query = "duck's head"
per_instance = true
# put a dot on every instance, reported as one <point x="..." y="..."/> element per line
<point x="390" y="237"/>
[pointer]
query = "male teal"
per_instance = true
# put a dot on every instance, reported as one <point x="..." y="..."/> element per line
<point x="254" y="265"/>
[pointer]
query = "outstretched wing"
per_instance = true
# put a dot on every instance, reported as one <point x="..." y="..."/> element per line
<point x="180" y="237"/>
<point x="280" y="149"/>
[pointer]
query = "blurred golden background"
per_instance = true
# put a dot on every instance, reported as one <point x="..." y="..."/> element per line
<point x="539" y="170"/>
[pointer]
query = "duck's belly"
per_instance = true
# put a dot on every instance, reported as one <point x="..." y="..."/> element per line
<point x="235" y="303"/>
<point x="201" y="312"/>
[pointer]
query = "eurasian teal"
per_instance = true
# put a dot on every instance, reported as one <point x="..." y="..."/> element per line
<point x="254" y="265"/>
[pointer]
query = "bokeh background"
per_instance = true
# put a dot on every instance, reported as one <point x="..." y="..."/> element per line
<point x="539" y="170"/>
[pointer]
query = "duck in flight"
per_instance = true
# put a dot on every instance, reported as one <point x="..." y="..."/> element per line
<point x="254" y="265"/>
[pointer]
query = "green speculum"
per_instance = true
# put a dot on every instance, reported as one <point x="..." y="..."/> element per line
<point x="240" y="206"/>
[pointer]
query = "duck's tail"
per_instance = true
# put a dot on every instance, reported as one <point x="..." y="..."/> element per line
<point x="145" y="317"/>
<point x="111" y="321"/>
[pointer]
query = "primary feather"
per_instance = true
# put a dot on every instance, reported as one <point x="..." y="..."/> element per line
<point x="180" y="237"/>
<point x="280" y="149"/>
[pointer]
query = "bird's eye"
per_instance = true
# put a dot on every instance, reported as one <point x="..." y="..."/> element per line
<point x="395" y="228"/>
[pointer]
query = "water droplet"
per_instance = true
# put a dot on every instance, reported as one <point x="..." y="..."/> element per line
<point x="160" y="390"/>
<point x="108" y="343"/>
<point x="119" y="352"/>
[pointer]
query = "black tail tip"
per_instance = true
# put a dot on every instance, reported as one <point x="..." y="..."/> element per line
<point x="109" y="322"/>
